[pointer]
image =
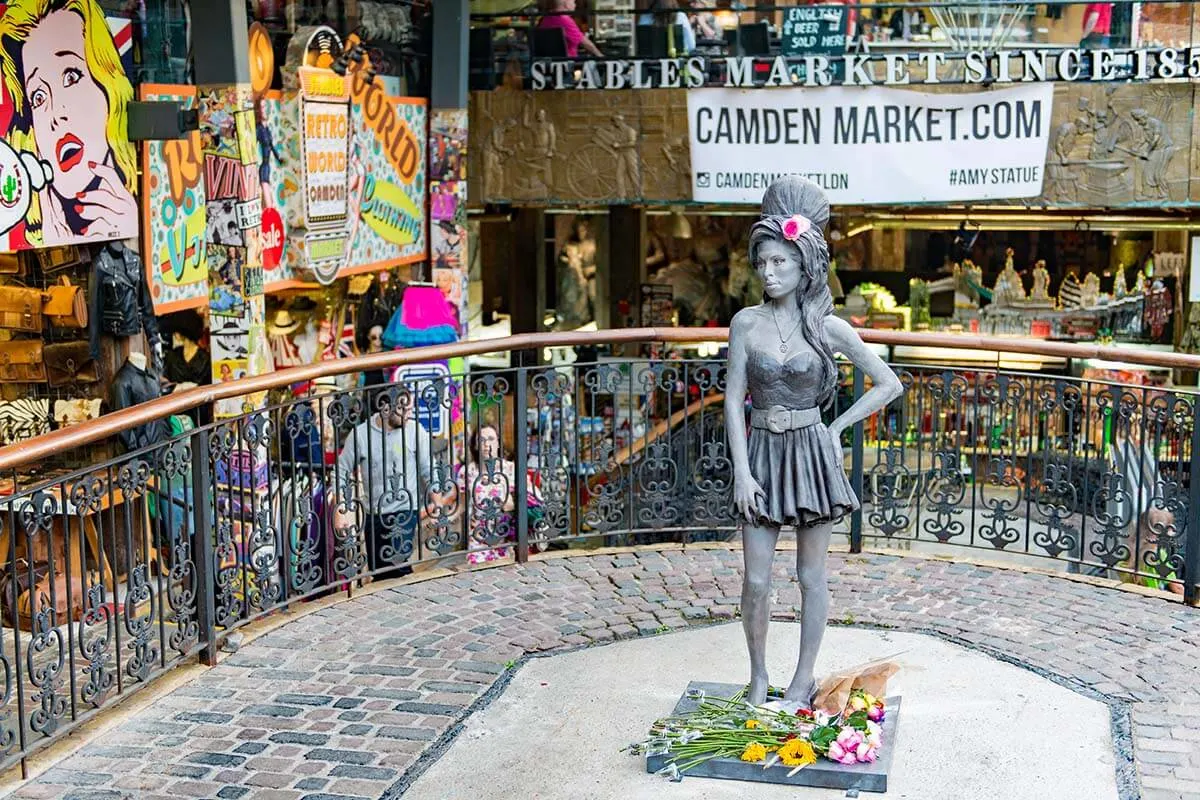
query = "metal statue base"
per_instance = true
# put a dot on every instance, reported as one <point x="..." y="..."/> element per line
<point x="824" y="774"/>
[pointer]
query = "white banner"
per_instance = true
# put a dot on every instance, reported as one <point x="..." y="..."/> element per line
<point x="870" y="144"/>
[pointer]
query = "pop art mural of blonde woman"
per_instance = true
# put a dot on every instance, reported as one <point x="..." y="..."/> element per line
<point x="67" y="99"/>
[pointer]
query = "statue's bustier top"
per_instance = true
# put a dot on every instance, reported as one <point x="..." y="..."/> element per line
<point x="793" y="383"/>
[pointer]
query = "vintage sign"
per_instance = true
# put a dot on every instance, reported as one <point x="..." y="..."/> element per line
<point x="870" y="145"/>
<point x="326" y="127"/>
<point x="390" y="212"/>
<point x="433" y="414"/>
<point x="397" y="140"/>
<point x="68" y="172"/>
<point x="891" y="69"/>
<point x="272" y="239"/>
<point x="814" y="29"/>
<point x="324" y="175"/>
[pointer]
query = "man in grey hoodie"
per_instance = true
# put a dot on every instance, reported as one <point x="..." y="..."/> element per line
<point x="382" y="472"/>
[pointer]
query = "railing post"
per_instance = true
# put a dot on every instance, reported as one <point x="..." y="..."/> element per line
<point x="202" y="519"/>
<point x="521" y="468"/>
<point x="1191" y="542"/>
<point x="856" y="468"/>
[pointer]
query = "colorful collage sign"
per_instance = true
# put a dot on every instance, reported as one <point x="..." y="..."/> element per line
<point x="233" y="244"/>
<point x="448" y="205"/>
<point x="68" y="172"/>
<point x="385" y="220"/>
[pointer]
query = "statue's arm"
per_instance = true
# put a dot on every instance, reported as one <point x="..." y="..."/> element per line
<point x="735" y="394"/>
<point x="885" y="386"/>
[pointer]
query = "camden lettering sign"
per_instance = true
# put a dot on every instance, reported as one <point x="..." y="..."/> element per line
<point x="892" y="69"/>
<point x="870" y="146"/>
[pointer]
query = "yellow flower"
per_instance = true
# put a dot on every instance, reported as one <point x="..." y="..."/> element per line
<point x="753" y="723"/>
<point x="797" y="753"/>
<point x="754" y="752"/>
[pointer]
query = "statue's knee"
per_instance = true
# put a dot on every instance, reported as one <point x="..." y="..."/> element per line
<point x="757" y="587"/>
<point x="812" y="580"/>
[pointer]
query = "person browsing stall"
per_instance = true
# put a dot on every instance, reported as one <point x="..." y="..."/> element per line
<point x="381" y="470"/>
<point x="559" y="16"/>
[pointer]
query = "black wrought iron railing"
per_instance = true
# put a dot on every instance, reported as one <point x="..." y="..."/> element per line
<point x="118" y="571"/>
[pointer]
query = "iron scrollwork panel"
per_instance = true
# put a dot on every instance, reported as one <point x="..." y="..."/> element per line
<point x="303" y="497"/>
<point x="176" y="509"/>
<point x="1056" y="497"/>
<point x="140" y="608"/>
<point x="945" y="489"/>
<point x="711" y="485"/>
<point x="46" y="652"/>
<point x="1003" y="489"/>
<point x="553" y="393"/>
<point x="95" y="628"/>
<point x="605" y="507"/>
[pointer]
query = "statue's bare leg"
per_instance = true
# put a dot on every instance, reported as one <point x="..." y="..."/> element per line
<point x="812" y="548"/>
<point x="758" y="553"/>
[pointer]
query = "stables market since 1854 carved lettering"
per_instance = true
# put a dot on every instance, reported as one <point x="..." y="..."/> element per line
<point x="892" y="69"/>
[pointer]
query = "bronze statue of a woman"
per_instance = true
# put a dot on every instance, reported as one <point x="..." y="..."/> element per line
<point x="790" y="472"/>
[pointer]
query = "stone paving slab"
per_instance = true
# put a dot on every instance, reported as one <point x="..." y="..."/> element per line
<point x="355" y="699"/>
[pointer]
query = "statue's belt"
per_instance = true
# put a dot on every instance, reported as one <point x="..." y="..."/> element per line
<point x="778" y="419"/>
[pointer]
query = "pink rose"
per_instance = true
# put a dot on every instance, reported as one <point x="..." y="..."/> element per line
<point x="794" y="226"/>
<point x="841" y="754"/>
<point x="850" y="738"/>
<point x="875" y="713"/>
<point x="874" y="734"/>
<point x="865" y="754"/>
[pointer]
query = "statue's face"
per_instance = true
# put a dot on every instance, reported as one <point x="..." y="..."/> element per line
<point x="778" y="266"/>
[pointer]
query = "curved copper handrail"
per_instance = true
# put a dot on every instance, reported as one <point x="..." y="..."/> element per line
<point x="41" y="447"/>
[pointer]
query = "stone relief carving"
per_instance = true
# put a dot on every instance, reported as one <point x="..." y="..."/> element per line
<point x="495" y="153"/>
<point x="589" y="147"/>
<point x="1116" y="145"/>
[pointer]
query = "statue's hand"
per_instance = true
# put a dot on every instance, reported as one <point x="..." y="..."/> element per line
<point x="835" y="437"/>
<point x="748" y="497"/>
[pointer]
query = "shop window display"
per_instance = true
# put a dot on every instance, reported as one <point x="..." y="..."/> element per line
<point x="703" y="259"/>
<point x="575" y="260"/>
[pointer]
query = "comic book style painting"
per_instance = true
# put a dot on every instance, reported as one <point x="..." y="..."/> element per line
<point x="68" y="172"/>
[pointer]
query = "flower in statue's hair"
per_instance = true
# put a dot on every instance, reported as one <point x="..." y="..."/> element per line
<point x="794" y="226"/>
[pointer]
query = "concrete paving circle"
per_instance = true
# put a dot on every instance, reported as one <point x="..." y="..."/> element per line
<point x="971" y="726"/>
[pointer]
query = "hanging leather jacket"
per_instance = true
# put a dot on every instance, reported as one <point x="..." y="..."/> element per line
<point x="120" y="299"/>
<point x="131" y="386"/>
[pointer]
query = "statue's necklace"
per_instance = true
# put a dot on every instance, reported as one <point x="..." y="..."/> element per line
<point x="783" y="340"/>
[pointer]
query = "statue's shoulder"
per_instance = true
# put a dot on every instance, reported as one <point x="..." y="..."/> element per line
<point x="748" y="317"/>
<point x="839" y="330"/>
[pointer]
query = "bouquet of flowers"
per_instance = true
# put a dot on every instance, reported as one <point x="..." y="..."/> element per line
<point x="845" y="725"/>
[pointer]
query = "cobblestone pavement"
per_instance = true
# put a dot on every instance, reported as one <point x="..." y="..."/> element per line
<point x="352" y="700"/>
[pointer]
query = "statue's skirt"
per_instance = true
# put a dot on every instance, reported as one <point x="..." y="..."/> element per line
<point x="802" y="474"/>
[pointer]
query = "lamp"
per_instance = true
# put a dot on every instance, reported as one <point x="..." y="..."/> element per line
<point x="680" y="227"/>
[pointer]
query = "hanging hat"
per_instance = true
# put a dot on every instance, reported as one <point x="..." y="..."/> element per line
<point x="283" y="324"/>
